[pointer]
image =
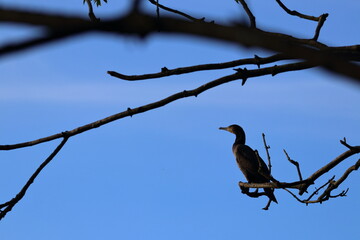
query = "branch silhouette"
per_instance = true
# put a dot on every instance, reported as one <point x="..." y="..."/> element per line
<point x="8" y="206"/>
<point x="303" y="54"/>
<point x="303" y="185"/>
<point x="141" y="24"/>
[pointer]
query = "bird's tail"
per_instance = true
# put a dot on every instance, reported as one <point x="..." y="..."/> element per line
<point x="270" y="193"/>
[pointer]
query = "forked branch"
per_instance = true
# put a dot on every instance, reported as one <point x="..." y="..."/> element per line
<point x="8" y="206"/>
<point x="303" y="185"/>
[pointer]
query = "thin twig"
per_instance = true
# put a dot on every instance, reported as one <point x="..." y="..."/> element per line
<point x="294" y="195"/>
<point x="157" y="9"/>
<point x="296" y="13"/>
<point x="10" y="204"/>
<point x="342" y="194"/>
<point x="267" y="147"/>
<point x="249" y="13"/>
<point x="91" y="12"/>
<point x="295" y="163"/>
<point x="203" y="67"/>
<point x="318" y="189"/>
<point x="337" y="183"/>
<point x="319" y="26"/>
<point x="321" y="19"/>
<point x="156" y="3"/>
<point x="343" y="142"/>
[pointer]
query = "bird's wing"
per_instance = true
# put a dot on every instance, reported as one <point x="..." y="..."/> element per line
<point x="249" y="163"/>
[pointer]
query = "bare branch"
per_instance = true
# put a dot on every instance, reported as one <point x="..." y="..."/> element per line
<point x="91" y="12"/>
<point x="186" y="93"/>
<point x="249" y="13"/>
<point x="318" y="189"/>
<point x="319" y="26"/>
<point x="158" y="5"/>
<point x="267" y="147"/>
<point x="330" y="166"/>
<point x="302" y="185"/>
<point x="296" y="13"/>
<point x="297" y="165"/>
<point x="10" y="204"/>
<point x="343" y="142"/>
<point x="142" y="25"/>
<point x="311" y="52"/>
<point x="335" y="184"/>
<point x="203" y="67"/>
<point x="321" y="19"/>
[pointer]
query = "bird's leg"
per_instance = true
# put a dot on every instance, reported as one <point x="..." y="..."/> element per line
<point x="267" y="205"/>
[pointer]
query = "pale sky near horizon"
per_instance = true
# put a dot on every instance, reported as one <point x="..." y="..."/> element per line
<point x="169" y="173"/>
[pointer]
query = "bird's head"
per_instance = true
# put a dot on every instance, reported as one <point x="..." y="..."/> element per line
<point x="235" y="129"/>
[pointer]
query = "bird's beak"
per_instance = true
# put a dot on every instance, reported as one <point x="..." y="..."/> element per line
<point x="223" y="128"/>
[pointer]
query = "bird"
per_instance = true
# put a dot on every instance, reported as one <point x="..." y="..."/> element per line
<point x="247" y="160"/>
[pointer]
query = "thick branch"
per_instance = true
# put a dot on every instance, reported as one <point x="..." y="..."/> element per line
<point x="142" y="25"/>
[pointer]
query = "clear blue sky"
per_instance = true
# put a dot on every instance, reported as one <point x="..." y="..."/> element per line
<point x="170" y="173"/>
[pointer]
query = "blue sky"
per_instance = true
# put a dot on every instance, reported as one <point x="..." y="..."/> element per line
<point x="169" y="173"/>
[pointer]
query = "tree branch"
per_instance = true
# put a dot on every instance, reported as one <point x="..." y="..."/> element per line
<point x="319" y="26"/>
<point x="302" y="185"/>
<point x="337" y="183"/>
<point x="249" y="13"/>
<point x="186" y="93"/>
<point x="267" y="147"/>
<point x="296" y="13"/>
<point x="329" y="166"/>
<point x="91" y="12"/>
<point x="7" y="207"/>
<point x="321" y="19"/>
<point x="171" y="10"/>
<point x="203" y="67"/>
<point x="142" y="25"/>
<point x="297" y="165"/>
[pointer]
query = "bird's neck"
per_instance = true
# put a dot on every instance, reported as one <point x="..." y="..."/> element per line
<point x="239" y="140"/>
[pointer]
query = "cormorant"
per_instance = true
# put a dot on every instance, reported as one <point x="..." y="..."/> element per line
<point x="248" y="161"/>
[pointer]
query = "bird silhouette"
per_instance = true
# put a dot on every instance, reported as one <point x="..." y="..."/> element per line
<point x="247" y="160"/>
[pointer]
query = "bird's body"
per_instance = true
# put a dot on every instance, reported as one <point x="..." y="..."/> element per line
<point x="247" y="160"/>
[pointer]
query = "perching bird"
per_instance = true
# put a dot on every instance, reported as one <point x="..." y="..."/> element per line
<point x="248" y="161"/>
